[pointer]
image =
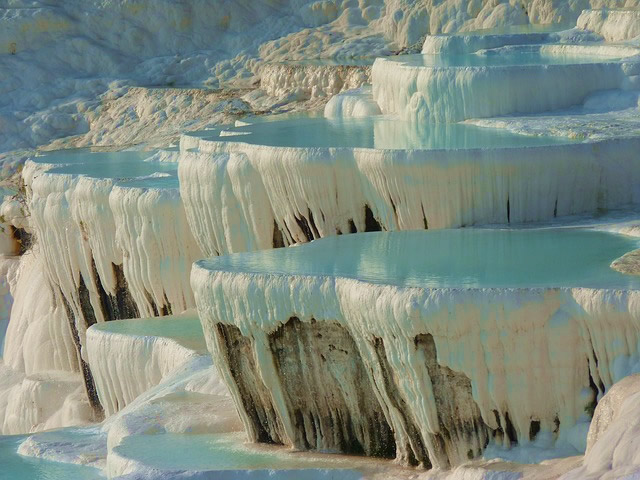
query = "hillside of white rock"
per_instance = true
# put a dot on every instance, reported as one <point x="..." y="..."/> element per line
<point x="164" y="162"/>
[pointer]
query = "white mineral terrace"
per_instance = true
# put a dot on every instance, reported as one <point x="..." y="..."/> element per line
<point x="499" y="81"/>
<point x="300" y="179"/>
<point x="469" y="42"/>
<point x="110" y="222"/>
<point x="110" y="232"/>
<point x="524" y="329"/>
<point x="143" y="352"/>
<point x="261" y="272"/>
<point x="614" y="25"/>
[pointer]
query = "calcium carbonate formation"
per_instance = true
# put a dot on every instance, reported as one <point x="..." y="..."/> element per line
<point x="369" y="350"/>
<point x="497" y="121"/>
<point x="312" y="81"/>
<point x="106" y="252"/>
<point x="427" y="89"/>
<point x="298" y="194"/>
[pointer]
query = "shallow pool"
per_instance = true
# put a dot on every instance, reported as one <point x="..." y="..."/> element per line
<point x="126" y="166"/>
<point x="504" y="57"/>
<point x="186" y="328"/>
<point x="228" y="452"/>
<point x="17" y="467"/>
<point x="463" y="258"/>
<point x="517" y="29"/>
<point x="380" y="132"/>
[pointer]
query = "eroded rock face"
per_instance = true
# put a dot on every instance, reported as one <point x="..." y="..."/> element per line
<point x="109" y="252"/>
<point x="446" y="369"/>
<point x="459" y="421"/>
<point x="459" y="418"/>
<point x="326" y="390"/>
<point x="309" y="81"/>
<point x="252" y="397"/>
<point x="628" y="263"/>
<point x="313" y="390"/>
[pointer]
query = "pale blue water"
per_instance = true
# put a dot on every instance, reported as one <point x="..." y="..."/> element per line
<point x="379" y="132"/>
<point x="184" y="328"/>
<point x="170" y="181"/>
<point x="84" y="155"/>
<point x="17" y="467"/>
<point x="225" y="451"/>
<point x="122" y="166"/>
<point x="506" y="57"/>
<point x="4" y="191"/>
<point x="463" y="258"/>
<point x="118" y="170"/>
<point x="333" y="62"/>
<point x="518" y="29"/>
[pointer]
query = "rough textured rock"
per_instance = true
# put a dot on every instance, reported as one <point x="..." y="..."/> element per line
<point x="327" y="391"/>
<point x="628" y="263"/>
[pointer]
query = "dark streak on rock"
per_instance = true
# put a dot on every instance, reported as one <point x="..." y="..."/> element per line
<point x="152" y="304"/>
<point x="255" y="397"/>
<point x="510" y="430"/>
<point x="424" y="218"/>
<point x="278" y="240"/>
<point x="418" y="454"/>
<point x="590" y="408"/>
<point x="89" y="383"/>
<point x="314" y="362"/>
<point x="122" y="303"/>
<point x="312" y="223"/>
<point x="371" y="224"/>
<point x="22" y="238"/>
<point x="395" y="211"/>
<point x="459" y="416"/>
<point x="85" y="304"/>
<point x="534" y="428"/>
<point x="304" y="226"/>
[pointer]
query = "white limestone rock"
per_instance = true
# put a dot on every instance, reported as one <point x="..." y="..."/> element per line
<point x="612" y="448"/>
<point x="352" y="103"/>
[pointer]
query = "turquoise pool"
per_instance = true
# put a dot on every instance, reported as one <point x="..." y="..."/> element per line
<point x="224" y="452"/>
<point x="463" y="258"/>
<point x="18" y="467"/>
<point x="185" y="329"/>
<point x="514" y="56"/>
<point x="126" y="166"/>
<point x="380" y="132"/>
